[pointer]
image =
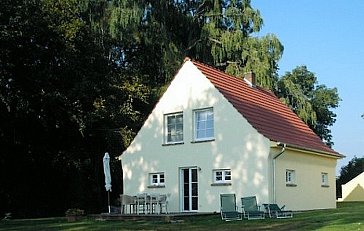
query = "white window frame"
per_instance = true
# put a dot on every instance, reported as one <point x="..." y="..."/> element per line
<point x="290" y="177"/>
<point x="205" y="125"/>
<point x="160" y="178"/>
<point x="175" y="132"/>
<point x="324" y="179"/>
<point x="224" y="174"/>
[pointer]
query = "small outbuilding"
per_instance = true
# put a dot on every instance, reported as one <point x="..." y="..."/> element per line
<point x="354" y="189"/>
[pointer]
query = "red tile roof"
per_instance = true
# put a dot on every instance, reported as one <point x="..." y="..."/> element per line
<point x="265" y="112"/>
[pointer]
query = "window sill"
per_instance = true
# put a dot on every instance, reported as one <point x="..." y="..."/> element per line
<point x="220" y="184"/>
<point x="171" y="144"/>
<point x="325" y="186"/>
<point x="156" y="186"/>
<point x="202" y="141"/>
<point x="291" y="185"/>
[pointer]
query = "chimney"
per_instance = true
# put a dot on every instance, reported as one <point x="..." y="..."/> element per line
<point x="250" y="78"/>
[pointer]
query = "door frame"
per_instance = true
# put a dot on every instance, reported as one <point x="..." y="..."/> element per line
<point x="181" y="188"/>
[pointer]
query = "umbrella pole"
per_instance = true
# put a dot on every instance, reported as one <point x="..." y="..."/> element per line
<point x="108" y="200"/>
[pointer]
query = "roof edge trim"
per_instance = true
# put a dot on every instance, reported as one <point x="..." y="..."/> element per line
<point x="315" y="152"/>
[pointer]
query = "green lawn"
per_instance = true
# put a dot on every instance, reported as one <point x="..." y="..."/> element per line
<point x="348" y="216"/>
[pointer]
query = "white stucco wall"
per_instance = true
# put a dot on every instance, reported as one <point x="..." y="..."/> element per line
<point x="237" y="146"/>
<point x="308" y="193"/>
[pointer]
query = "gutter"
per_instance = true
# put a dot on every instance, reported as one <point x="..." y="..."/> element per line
<point x="316" y="152"/>
<point x="283" y="145"/>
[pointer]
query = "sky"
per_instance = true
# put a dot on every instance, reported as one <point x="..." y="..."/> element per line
<point x="328" y="37"/>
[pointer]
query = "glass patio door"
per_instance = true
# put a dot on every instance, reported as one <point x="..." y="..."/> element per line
<point x="189" y="189"/>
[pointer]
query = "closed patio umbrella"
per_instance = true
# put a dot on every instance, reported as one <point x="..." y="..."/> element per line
<point x="106" y="161"/>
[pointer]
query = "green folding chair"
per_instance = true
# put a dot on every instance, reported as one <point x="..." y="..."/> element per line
<point x="229" y="210"/>
<point x="251" y="209"/>
<point x="276" y="212"/>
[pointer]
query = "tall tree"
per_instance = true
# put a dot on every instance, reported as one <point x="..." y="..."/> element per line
<point x="227" y="40"/>
<point x="313" y="103"/>
<point x="220" y="33"/>
<point x="61" y="96"/>
<point x="78" y="78"/>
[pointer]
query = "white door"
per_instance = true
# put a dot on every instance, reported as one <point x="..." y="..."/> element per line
<point x="189" y="189"/>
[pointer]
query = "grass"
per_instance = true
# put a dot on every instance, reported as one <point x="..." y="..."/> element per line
<point x="348" y="216"/>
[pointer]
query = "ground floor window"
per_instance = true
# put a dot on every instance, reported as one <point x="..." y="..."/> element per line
<point x="324" y="179"/>
<point x="157" y="179"/>
<point x="221" y="176"/>
<point x="290" y="177"/>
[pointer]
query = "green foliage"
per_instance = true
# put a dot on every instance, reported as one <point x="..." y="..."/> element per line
<point x="78" y="78"/>
<point x="226" y="40"/>
<point x="311" y="102"/>
<point x="61" y="98"/>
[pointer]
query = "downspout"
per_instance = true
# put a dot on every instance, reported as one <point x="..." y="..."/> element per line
<point x="274" y="168"/>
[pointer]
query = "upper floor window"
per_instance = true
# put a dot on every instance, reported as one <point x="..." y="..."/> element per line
<point x="324" y="179"/>
<point x="174" y="128"/>
<point x="204" y="124"/>
<point x="290" y="177"/>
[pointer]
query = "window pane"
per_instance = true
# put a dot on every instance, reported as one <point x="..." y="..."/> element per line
<point x="200" y="125"/>
<point x="209" y="124"/>
<point x="210" y="115"/>
<point x="228" y="175"/>
<point x="194" y="203"/>
<point x="185" y="175"/>
<point x="202" y="115"/>
<point x="200" y="134"/>
<point x="198" y="116"/>
<point x="194" y="175"/>
<point x="179" y="118"/>
<point x="171" y="129"/>
<point x="179" y="127"/>
<point x="194" y="189"/>
<point x="209" y="132"/>
<point x="154" y="179"/>
<point x="169" y="138"/>
<point x="186" y="203"/>
<point x="171" y="119"/>
<point x="218" y="176"/>
<point x="186" y="188"/>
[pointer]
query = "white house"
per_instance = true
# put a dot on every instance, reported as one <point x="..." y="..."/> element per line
<point x="354" y="189"/>
<point x="211" y="133"/>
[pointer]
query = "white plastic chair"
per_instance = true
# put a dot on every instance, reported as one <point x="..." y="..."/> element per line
<point x="163" y="203"/>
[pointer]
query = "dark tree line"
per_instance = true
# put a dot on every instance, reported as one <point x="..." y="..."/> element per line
<point x="78" y="78"/>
